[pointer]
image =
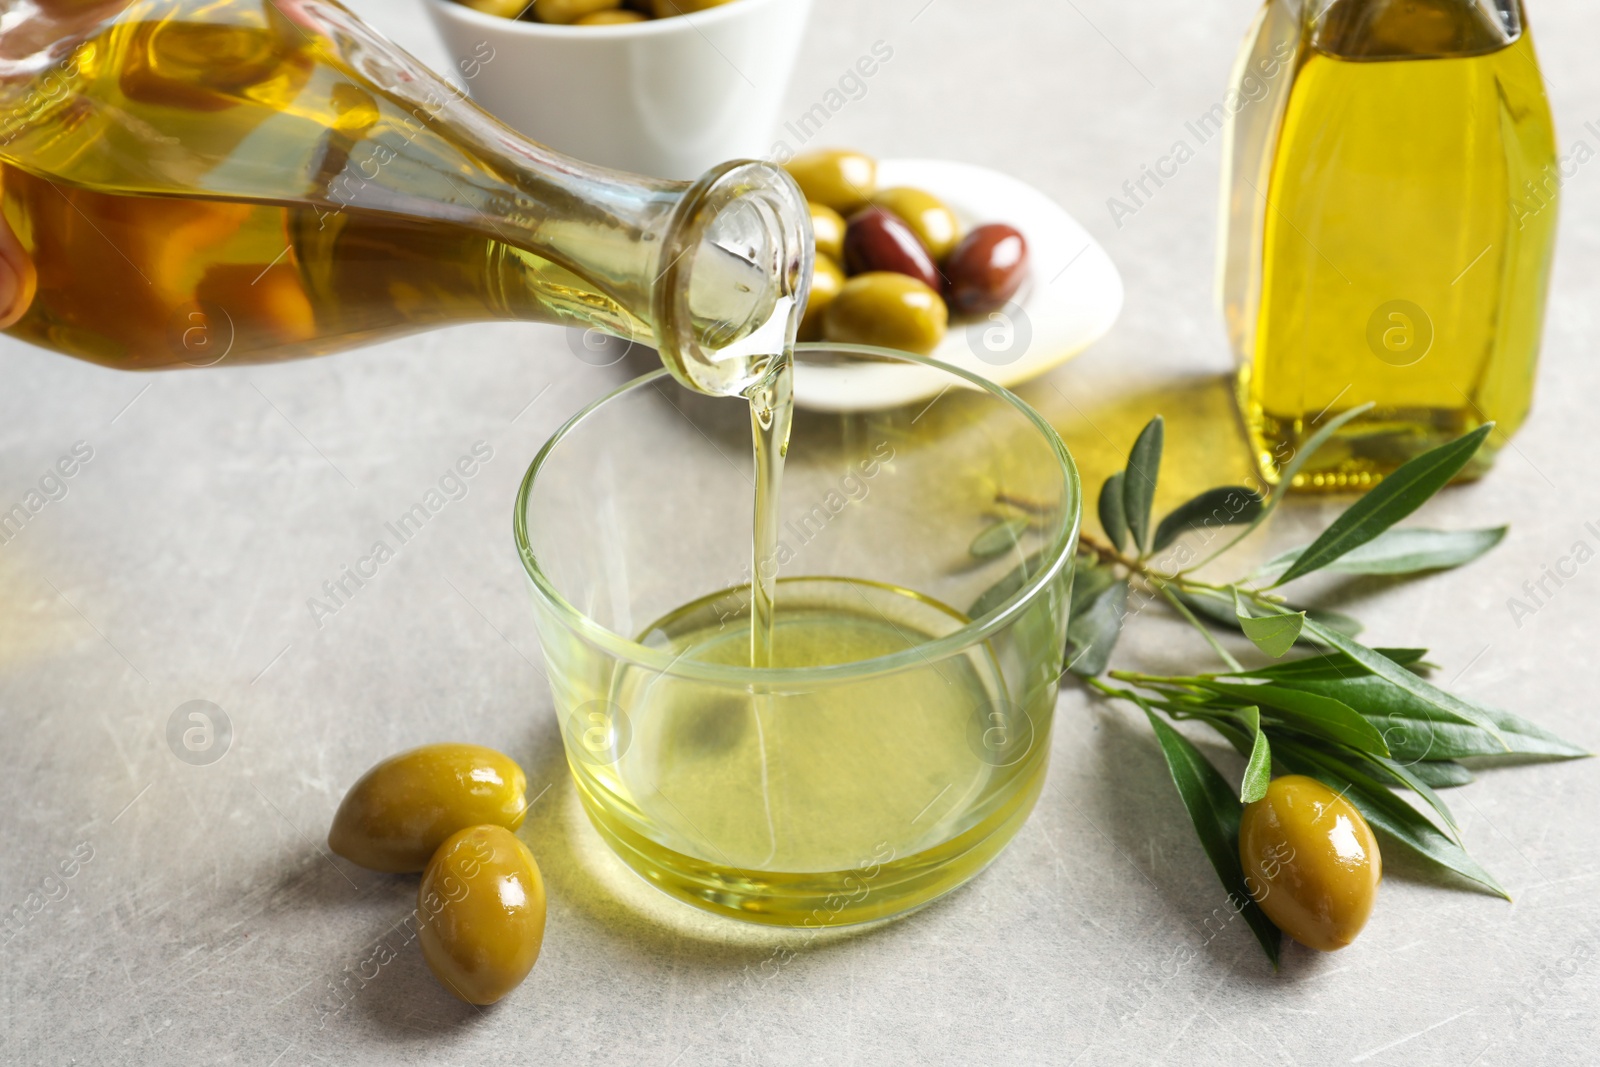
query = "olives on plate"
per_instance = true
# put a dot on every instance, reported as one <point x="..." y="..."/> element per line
<point x="986" y="269"/>
<point x="927" y="216"/>
<point x="835" y="178"/>
<point x="826" y="281"/>
<point x="1310" y="861"/>
<point x="827" y="230"/>
<point x="887" y="309"/>
<point x="902" y="231"/>
<point x="876" y="240"/>
<point x="481" y="907"/>
<point x="396" y="816"/>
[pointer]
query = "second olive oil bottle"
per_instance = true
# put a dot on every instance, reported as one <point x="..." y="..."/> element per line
<point x="1389" y="214"/>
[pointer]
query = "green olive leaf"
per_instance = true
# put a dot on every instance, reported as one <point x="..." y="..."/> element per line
<point x="1090" y="578"/>
<point x="1451" y="706"/>
<point x="1441" y="774"/>
<point x="1404" y="776"/>
<point x="1332" y="666"/>
<point x="1416" y="729"/>
<point x="1226" y="505"/>
<point x="1400" y="552"/>
<point x="1219" y="608"/>
<point x="998" y="538"/>
<point x="1139" y="483"/>
<point x="1214" y="810"/>
<point x="1112" y="518"/>
<point x="1386" y="812"/>
<point x="1276" y="634"/>
<point x="1309" y="713"/>
<point x="1398" y="495"/>
<point x="1258" y="772"/>
<point x="1006" y="588"/>
<point x="1092" y="633"/>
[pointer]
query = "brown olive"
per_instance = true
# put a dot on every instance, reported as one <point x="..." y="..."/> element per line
<point x="1310" y="861"/>
<point x="934" y="224"/>
<point x="876" y="240"/>
<point x="826" y="281"/>
<point x="986" y="269"/>
<point x="611" y="18"/>
<point x="563" y="12"/>
<point x="398" y="813"/>
<point x="827" y="227"/>
<point x="886" y="309"/>
<point x="835" y="178"/>
<point x="481" y="912"/>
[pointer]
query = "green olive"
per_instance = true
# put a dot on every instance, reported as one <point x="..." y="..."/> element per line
<point x="564" y="12"/>
<point x="1310" y="861"/>
<point x="835" y="178"/>
<point x="397" y="815"/>
<point x="481" y="913"/>
<point x="827" y="227"/>
<point x="934" y="224"/>
<point x="611" y="18"/>
<point x="887" y="309"/>
<point x="827" y="278"/>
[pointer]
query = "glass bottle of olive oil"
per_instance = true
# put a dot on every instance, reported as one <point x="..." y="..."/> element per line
<point x="1389" y="213"/>
<point x="199" y="181"/>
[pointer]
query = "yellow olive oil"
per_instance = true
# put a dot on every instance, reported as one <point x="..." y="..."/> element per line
<point x="841" y="804"/>
<point x="145" y="174"/>
<point x="1399" y="200"/>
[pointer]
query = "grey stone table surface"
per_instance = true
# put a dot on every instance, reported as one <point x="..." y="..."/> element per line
<point x="202" y="923"/>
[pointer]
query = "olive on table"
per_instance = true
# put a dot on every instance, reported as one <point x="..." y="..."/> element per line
<point x="986" y="269"/>
<point x="617" y="17"/>
<point x="875" y="240"/>
<point x="565" y="12"/>
<point x="826" y="281"/>
<point x="396" y="816"/>
<point x="834" y="177"/>
<point x="827" y="229"/>
<point x="934" y="224"/>
<point x="887" y="309"/>
<point x="481" y="912"/>
<point x="1310" y="861"/>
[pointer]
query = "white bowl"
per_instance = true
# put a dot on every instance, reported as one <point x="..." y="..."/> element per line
<point x="1072" y="297"/>
<point x="667" y="97"/>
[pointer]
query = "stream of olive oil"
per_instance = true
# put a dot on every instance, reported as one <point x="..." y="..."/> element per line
<point x="1406" y="242"/>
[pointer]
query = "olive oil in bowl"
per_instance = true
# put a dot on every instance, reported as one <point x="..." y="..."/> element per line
<point x="829" y="733"/>
<point x="836" y="804"/>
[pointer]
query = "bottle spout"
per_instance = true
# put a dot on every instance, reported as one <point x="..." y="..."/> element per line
<point x="734" y="277"/>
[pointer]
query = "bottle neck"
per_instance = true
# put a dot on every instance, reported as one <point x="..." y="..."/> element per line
<point x="1414" y="29"/>
<point x="715" y="271"/>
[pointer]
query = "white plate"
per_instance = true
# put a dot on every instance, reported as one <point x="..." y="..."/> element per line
<point x="1072" y="297"/>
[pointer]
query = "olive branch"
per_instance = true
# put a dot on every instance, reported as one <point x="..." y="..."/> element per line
<point x="1365" y="721"/>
